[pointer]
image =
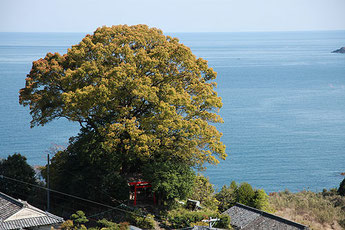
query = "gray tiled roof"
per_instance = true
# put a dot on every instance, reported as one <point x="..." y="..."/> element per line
<point x="248" y="218"/>
<point x="10" y="206"/>
<point x="240" y="216"/>
<point x="29" y="222"/>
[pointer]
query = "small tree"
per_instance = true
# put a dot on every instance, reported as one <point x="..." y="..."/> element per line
<point x="245" y="194"/>
<point x="227" y="196"/>
<point x="261" y="201"/>
<point x="79" y="218"/>
<point x="76" y="222"/>
<point x="203" y="191"/>
<point x="16" y="167"/>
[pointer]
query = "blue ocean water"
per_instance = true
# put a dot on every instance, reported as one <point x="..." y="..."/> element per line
<point x="283" y="96"/>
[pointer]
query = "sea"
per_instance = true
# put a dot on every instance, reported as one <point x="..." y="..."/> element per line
<point x="283" y="99"/>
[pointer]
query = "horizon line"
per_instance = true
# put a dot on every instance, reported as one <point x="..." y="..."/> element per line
<point x="247" y="31"/>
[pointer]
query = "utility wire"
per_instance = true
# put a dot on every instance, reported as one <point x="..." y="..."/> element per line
<point x="73" y="196"/>
<point x="93" y="187"/>
<point x="100" y="213"/>
<point x="42" y="203"/>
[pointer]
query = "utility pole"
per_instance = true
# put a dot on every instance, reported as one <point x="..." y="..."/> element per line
<point x="48" y="186"/>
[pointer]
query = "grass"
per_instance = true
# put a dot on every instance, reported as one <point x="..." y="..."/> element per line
<point x="325" y="210"/>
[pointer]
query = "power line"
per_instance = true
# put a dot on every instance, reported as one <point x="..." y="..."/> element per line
<point x="42" y="203"/>
<point x="73" y="196"/>
<point x="100" y="213"/>
<point x="93" y="187"/>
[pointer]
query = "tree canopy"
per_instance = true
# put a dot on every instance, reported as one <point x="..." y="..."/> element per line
<point x="16" y="167"/>
<point x="142" y="99"/>
<point x="144" y="93"/>
<point x="244" y="194"/>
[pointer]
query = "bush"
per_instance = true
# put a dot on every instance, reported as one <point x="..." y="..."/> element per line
<point x="140" y="220"/>
<point x="77" y="222"/>
<point x="203" y="191"/>
<point x="244" y="194"/>
<point x="227" y="197"/>
<point x="108" y="225"/>
<point x="183" y="218"/>
<point x="224" y="222"/>
<point x="67" y="225"/>
<point x="79" y="218"/>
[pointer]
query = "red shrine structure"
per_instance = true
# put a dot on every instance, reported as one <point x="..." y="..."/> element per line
<point x="139" y="185"/>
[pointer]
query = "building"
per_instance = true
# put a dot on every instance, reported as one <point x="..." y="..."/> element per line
<point x="248" y="218"/>
<point x="18" y="214"/>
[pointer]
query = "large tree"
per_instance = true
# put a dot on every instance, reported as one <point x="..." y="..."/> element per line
<point x="144" y="95"/>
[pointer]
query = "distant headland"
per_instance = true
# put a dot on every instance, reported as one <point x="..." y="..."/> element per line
<point x="341" y="50"/>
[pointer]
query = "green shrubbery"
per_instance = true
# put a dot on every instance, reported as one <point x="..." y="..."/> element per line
<point x="108" y="225"/>
<point x="227" y="197"/>
<point x="144" y="222"/>
<point x="78" y="220"/>
<point x="203" y="191"/>
<point x="244" y="194"/>
<point x="182" y="218"/>
<point x="170" y="180"/>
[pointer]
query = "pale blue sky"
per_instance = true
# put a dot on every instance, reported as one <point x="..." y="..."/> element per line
<point x="172" y="15"/>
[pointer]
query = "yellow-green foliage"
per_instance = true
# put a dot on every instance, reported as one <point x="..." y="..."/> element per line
<point x="67" y="225"/>
<point x="310" y="208"/>
<point x="77" y="222"/>
<point x="145" y="93"/>
<point x="203" y="191"/>
<point x="145" y="222"/>
<point x="79" y="218"/>
<point x="108" y="225"/>
<point x="182" y="218"/>
<point x="261" y="201"/>
<point x="137" y="218"/>
<point x="244" y="194"/>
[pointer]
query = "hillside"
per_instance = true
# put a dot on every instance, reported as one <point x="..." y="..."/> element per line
<point x="324" y="210"/>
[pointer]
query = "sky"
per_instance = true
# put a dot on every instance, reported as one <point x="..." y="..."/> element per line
<point x="172" y="15"/>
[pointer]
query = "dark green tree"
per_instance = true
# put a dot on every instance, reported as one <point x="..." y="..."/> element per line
<point x="169" y="180"/>
<point x="74" y="171"/>
<point x="227" y="197"/>
<point x="341" y="189"/>
<point x="245" y="194"/>
<point x="16" y="167"/>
